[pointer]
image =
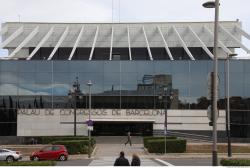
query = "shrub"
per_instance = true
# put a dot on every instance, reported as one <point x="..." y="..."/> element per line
<point x="146" y="139"/>
<point x="75" y="146"/>
<point x="172" y="145"/>
<point x="47" y="140"/>
<point x="28" y="163"/>
<point x="235" y="162"/>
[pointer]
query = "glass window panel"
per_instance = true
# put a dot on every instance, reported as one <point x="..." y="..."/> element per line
<point x="63" y="78"/>
<point x="8" y="77"/>
<point x="180" y="79"/>
<point x="112" y="66"/>
<point x="26" y="77"/>
<point x="236" y="66"/>
<point x="145" y="78"/>
<point x="86" y="66"/>
<point x="43" y="66"/>
<point x="111" y="89"/>
<point x="201" y="67"/>
<point x="180" y="67"/>
<point x="44" y="78"/>
<point x="236" y="90"/>
<point x="96" y="78"/>
<point x="8" y="89"/>
<point x="129" y="89"/>
<point x="43" y="89"/>
<point x="221" y="66"/>
<point x="246" y="66"/>
<point x="9" y="66"/>
<point x="198" y="78"/>
<point x="182" y="91"/>
<point x="246" y="78"/>
<point x="129" y="78"/>
<point x="129" y="66"/>
<point x="27" y="89"/>
<point x="145" y="67"/>
<point x="61" y="66"/>
<point x="112" y="78"/>
<point x="163" y="67"/>
<point x="27" y="66"/>
<point x="60" y="89"/>
<point x="247" y="90"/>
<point x="198" y="90"/>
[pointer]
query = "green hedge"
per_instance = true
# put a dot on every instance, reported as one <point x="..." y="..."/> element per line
<point x="47" y="140"/>
<point x="28" y="163"/>
<point x="235" y="162"/>
<point x="146" y="139"/>
<point x="172" y="146"/>
<point x="75" y="146"/>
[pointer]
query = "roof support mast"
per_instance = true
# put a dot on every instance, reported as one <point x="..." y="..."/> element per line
<point x="45" y="38"/>
<point x="25" y="41"/>
<point x="148" y="47"/>
<point x="111" y="43"/>
<point x="129" y="45"/>
<point x="201" y="42"/>
<point x="165" y="43"/>
<point x="235" y="39"/>
<point x="12" y="37"/>
<point x="59" y="42"/>
<point x="244" y="33"/>
<point x="94" y="42"/>
<point x="220" y="43"/>
<point x="183" y="43"/>
<point x="76" y="43"/>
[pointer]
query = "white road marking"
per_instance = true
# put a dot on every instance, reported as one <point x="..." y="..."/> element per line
<point x="164" y="162"/>
<point x="109" y="161"/>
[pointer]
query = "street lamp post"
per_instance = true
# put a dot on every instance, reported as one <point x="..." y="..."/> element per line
<point x="166" y="93"/>
<point x="228" y="132"/>
<point x="75" y="93"/>
<point x="214" y="4"/>
<point x="89" y="84"/>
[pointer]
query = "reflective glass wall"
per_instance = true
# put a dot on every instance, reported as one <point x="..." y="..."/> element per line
<point x="120" y="84"/>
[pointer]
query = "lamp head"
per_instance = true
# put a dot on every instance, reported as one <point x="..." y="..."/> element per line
<point x="209" y="4"/>
<point x="232" y="55"/>
<point x="89" y="83"/>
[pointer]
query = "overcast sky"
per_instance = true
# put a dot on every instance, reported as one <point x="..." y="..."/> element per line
<point x="123" y="11"/>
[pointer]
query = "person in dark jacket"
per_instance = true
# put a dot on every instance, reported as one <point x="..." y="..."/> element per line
<point x="121" y="161"/>
<point x="129" y="139"/>
<point x="135" y="160"/>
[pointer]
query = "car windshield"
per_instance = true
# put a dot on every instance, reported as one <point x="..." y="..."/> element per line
<point x="5" y="150"/>
<point x="55" y="148"/>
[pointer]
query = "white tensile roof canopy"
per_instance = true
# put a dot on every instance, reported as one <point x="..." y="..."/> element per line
<point x="18" y="37"/>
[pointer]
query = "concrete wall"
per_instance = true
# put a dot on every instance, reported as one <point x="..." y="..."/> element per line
<point x="47" y="122"/>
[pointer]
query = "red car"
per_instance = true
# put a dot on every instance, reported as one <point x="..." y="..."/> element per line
<point x="53" y="152"/>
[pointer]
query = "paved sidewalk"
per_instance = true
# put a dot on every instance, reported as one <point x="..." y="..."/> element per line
<point x="108" y="149"/>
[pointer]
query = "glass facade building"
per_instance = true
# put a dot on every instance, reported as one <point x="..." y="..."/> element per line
<point x="121" y="85"/>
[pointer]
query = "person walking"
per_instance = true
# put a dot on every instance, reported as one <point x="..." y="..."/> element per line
<point x="135" y="160"/>
<point x="121" y="160"/>
<point x="129" y="139"/>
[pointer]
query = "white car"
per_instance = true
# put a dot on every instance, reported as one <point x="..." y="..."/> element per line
<point x="9" y="155"/>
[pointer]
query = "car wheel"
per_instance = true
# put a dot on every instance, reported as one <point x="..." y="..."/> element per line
<point x="62" y="158"/>
<point x="36" y="158"/>
<point x="10" y="159"/>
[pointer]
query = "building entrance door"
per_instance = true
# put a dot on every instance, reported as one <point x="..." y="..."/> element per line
<point x="121" y="128"/>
